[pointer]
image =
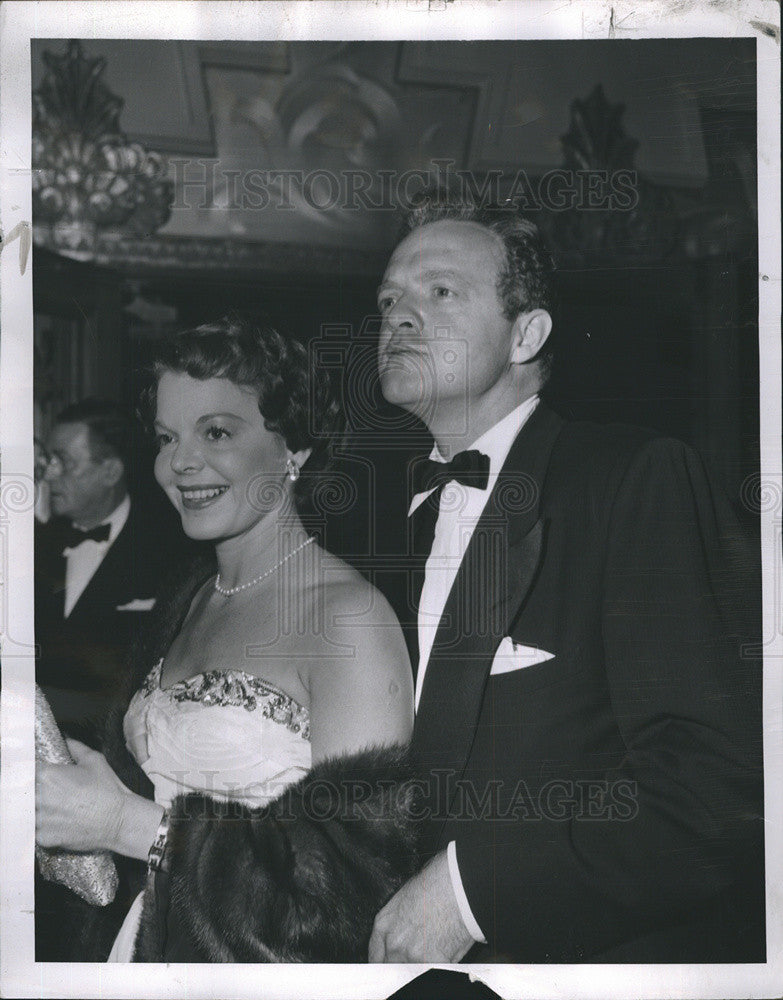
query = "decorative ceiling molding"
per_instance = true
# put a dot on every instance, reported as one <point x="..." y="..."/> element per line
<point x="158" y="253"/>
<point x="316" y="142"/>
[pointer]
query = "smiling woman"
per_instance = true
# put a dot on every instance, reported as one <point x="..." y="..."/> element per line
<point x="214" y="454"/>
<point x="290" y="398"/>
<point x="282" y="661"/>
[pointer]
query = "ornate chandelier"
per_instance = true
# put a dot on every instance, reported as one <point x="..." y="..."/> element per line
<point x="87" y="177"/>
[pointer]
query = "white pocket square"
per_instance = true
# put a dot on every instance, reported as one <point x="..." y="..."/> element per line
<point x="138" y="604"/>
<point x="512" y="655"/>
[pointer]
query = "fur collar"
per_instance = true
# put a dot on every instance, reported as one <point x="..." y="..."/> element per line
<point x="299" y="880"/>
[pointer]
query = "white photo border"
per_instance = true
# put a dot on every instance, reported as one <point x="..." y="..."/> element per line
<point x="21" y="21"/>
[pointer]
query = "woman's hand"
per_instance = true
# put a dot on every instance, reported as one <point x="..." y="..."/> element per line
<point x="79" y="807"/>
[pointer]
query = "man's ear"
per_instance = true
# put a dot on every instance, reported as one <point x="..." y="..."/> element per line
<point x="113" y="470"/>
<point x="530" y="333"/>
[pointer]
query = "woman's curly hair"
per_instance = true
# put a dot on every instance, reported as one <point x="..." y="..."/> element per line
<point x="295" y="397"/>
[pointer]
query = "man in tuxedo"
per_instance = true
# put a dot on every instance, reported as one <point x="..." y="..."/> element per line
<point x="98" y="564"/>
<point x="588" y="725"/>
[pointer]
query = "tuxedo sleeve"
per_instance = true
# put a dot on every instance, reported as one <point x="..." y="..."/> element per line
<point x="677" y="629"/>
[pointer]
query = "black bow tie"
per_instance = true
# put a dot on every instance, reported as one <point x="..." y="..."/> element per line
<point x="471" y="468"/>
<point x="75" y="536"/>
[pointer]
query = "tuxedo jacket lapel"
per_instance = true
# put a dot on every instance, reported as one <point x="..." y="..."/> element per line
<point x="494" y="578"/>
<point x="110" y="578"/>
<point x="55" y="596"/>
<point x="49" y="572"/>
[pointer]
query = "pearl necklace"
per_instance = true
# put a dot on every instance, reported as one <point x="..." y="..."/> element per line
<point x="229" y="591"/>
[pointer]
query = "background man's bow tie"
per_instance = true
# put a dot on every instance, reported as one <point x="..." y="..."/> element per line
<point x="74" y="536"/>
<point x="471" y="468"/>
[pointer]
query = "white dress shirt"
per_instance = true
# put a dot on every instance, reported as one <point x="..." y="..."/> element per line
<point x="459" y="512"/>
<point x="82" y="561"/>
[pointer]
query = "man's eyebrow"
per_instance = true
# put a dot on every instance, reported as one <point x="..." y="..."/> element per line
<point x="430" y="274"/>
<point x="440" y="272"/>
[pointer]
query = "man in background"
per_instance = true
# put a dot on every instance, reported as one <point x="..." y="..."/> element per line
<point x="99" y="562"/>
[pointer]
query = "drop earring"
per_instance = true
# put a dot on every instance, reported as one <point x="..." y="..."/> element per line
<point x="292" y="469"/>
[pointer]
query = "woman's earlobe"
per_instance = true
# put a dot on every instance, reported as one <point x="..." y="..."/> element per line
<point x="298" y="458"/>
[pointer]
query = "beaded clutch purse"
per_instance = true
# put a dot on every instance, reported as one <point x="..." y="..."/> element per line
<point x="91" y="876"/>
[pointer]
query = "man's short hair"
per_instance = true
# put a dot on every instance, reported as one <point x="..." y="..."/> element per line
<point x="526" y="281"/>
<point x="108" y="428"/>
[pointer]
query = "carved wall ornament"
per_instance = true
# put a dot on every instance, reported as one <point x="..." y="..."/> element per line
<point x="87" y="177"/>
<point x="629" y="218"/>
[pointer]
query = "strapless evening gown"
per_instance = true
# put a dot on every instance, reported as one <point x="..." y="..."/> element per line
<point x="225" y="733"/>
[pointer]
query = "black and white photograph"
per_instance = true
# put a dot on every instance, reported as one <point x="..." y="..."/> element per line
<point x="391" y="500"/>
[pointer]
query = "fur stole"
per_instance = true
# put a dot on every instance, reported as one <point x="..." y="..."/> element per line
<point x="299" y="880"/>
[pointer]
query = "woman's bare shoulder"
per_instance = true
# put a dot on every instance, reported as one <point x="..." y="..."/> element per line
<point x="361" y="691"/>
<point x="349" y="597"/>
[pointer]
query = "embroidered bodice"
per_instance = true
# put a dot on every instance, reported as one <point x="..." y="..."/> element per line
<point x="224" y="732"/>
